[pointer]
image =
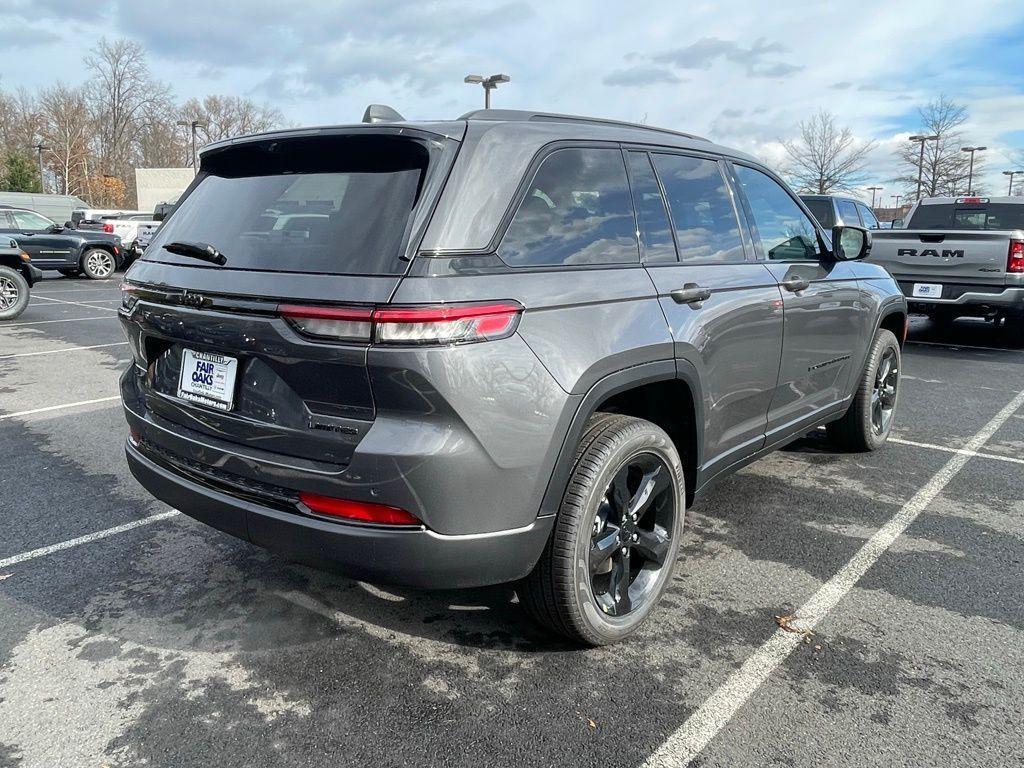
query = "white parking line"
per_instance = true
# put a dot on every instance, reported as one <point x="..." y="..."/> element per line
<point x="961" y="346"/>
<point x="63" y="320"/>
<point x="43" y="551"/>
<point x="962" y="451"/>
<point x="64" y="349"/>
<point x="75" y="303"/>
<point x="686" y="743"/>
<point x="49" y="408"/>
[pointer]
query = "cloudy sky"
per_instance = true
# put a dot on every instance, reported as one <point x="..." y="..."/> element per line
<point x="742" y="73"/>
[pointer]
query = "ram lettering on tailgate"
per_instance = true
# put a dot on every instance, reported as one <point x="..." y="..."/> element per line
<point x="946" y="253"/>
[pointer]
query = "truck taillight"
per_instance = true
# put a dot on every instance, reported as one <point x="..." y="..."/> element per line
<point x="444" y="324"/>
<point x="108" y="228"/>
<point x="1015" y="260"/>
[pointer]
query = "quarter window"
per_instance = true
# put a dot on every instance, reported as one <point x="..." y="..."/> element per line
<point x="867" y="216"/>
<point x="655" y="231"/>
<point x="702" y="211"/>
<point x="784" y="230"/>
<point x="577" y="211"/>
<point x="848" y="212"/>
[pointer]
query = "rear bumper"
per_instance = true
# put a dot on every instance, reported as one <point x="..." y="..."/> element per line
<point x="1007" y="298"/>
<point x="413" y="557"/>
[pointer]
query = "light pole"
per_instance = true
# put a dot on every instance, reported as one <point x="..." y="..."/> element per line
<point x="920" y="162"/>
<point x="970" y="172"/>
<point x="39" y="148"/>
<point x="194" y="125"/>
<point x="873" y="190"/>
<point x="897" y="203"/>
<point x="488" y="83"/>
<point x="1011" y="174"/>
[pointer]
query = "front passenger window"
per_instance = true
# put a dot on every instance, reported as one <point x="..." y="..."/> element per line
<point x="783" y="229"/>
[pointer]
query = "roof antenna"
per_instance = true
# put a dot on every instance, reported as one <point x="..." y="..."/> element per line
<point x="381" y="113"/>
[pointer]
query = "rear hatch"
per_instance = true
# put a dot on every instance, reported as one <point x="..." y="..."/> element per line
<point x="966" y="242"/>
<point x="317" y="218"/>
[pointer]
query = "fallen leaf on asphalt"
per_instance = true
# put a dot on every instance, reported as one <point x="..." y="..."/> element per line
<point x="786" y="623"/>
<point x="591" y="723"/>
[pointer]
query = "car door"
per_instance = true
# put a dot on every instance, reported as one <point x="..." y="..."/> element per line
<point x="48" y="250"/>
<point x="723" y="308"/>
<point x="824" y="315"/>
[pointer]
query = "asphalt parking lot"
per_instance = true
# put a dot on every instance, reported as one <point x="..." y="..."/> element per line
<point x="131" y="635"/>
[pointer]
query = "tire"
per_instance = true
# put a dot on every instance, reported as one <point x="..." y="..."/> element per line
<point x="98" y="264"/>
<point x="70" y="272"/>
<point x="572" y="590"/>
<point x="13" y="293"/>
<point x="869" y="419"/>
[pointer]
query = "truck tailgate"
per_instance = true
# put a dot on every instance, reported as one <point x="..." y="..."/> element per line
<point x="970" y="257"/>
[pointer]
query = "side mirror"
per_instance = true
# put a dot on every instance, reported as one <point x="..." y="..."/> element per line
<point x="850" y="243"/>
<point x="55" y="228"/>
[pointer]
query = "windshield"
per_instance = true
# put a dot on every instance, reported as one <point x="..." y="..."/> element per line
<point x="339" y="205"/>
<point x="953" y="216"/>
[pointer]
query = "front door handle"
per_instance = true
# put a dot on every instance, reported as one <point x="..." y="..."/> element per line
<point x="691" y="294"/>
<point x="796" y="284"/>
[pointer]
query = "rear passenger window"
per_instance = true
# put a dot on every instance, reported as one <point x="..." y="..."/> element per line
<point x="867" y="216"/>
<point x="578" y="211"/>
<point x="848" y="213"/>
<point x="655" y="231"/>
<point x="702" y="213"/>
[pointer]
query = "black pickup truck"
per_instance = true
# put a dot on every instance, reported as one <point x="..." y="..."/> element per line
<point x="69" y="251"/>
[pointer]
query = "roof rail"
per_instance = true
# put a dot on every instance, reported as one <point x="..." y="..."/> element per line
<point x="550" y="117"/>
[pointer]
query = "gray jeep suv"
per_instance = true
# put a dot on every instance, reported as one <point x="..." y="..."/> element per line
<point x="511" y="347"/>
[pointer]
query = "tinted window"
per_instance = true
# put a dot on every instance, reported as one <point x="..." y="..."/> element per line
<point x="577" y="211"/>
<point x="867" y="217"/>
<point x="655" y="231"/>
<point x="848" y="213"/>
<point x="337" y="205"/>
<point x="702" y="213"/>
<point x="952" y="216"/>
<point x="29" y="221"/>
<point x="6" y="222"/>
<point x="823" y="211"/>
<point x="785" y="231"/>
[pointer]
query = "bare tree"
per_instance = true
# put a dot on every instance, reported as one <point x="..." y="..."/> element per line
<point x="66" y="129"/>
<point x="223" y="117"/>
<point x="945" y="167"/>
<point x="19" y="122"/>
<point x="826" y="158"/>
<point x="121" y="93"/>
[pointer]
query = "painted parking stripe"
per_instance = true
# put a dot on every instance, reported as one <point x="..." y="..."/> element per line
<point x="686" y="743"/>
<point x="74" y="303"/>
<point x="44" y="551"/>
<point x="50" y="408"/>
<point x="64" y="349"/>
<point x="963" y="451"/>
<point x="63" y="320"/>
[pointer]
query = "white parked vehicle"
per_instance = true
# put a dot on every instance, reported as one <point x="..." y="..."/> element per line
<point x="129" y="227"/>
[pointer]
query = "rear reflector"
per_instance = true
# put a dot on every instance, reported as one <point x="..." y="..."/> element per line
<point x="1015" y="259"/>
<point x="361" y="511"/>
<point x="447" y="324"/>
<point x="108" y="228"/>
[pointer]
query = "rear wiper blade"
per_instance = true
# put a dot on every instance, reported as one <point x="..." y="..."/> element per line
<point x="201" y="251"/>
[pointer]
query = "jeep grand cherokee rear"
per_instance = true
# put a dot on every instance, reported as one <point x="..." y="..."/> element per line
<point x="511" y="347"/>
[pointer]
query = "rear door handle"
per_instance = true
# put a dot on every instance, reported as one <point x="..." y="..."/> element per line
<point x="691" y="294"/>
<point x="796" y="284"/>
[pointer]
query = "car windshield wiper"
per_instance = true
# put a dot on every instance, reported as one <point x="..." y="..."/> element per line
<point x="201" y="251"/>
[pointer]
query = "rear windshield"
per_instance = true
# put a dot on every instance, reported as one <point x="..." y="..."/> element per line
<point x="953" y="216"/>
<point x="337" y="205"/>
<point x="822" y="210"/>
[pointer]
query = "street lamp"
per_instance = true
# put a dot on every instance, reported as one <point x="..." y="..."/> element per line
<point x="194" y="125"/>
<point x="897" y="203"/>
<point x="39" y="148"/>
<point x="488" y="83"/>
<point x="970" y="173"/>
<point x="873" y="190"/>
<point x="1011" y="174"/>
<point x="920" y="162"/>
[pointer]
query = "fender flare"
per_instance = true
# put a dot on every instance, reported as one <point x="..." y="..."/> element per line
<point x="612" y="384"/>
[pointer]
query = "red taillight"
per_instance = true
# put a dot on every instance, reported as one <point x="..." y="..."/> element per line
<point x="1015" y="259"/>
<point x="447" y="324"/>
<point x="108" y="228"/>
<point x="341" y="323"/>
<point x="361" y="511"/>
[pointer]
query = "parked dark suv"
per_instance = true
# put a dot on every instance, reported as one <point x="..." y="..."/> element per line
<point x="69" y="251"/>
<point x="506" y="348"/>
